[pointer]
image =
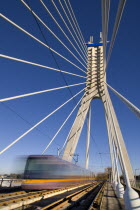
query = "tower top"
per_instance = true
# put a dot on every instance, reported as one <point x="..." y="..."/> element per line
<point x="101" y="37"/>
<point x="91" y="44"/>
<point x="91" y="40"/>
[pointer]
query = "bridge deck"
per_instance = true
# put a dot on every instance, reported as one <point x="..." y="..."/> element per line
<point x="110" y="201"/>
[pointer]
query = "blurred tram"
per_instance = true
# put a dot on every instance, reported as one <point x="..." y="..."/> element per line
<point x="51" y="172"/>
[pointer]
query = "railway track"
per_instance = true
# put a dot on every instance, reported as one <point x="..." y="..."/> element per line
<point x="5" y="195"/>
<point x="21" y="198"/>
<point x="9" y="197"/>
<point x="97" y="202"/>
<point x="81" y="199"/>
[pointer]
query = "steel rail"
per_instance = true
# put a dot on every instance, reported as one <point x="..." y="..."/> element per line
<point x="15" y="195"/>
<point x="97" y="202"/>
<point x="3" y="195"/>
<point x="70" y="200"/>
<point x="31" y="197"/>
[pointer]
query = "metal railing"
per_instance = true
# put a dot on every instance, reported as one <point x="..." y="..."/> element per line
<point x="5" y="182"/>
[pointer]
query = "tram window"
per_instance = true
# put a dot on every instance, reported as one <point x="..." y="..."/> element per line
<point x="43" y="168"/>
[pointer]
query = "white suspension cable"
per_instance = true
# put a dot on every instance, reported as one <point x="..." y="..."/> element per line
<point x="61" y="127"/>
<point x="77" y="24"/>
<point x="36" y="64"/>
<point x="81" y="44"/>
<point x="75" y="31"/>
<point x="105" y="21"/>
<point x="33" y="37"/>
<point x="61" y="30"/>
<point x="28" y="131"/>
<point x="39" y="92"/>
<point x="52" y="32"/>
<point x="103" y="31"/>
<point x="116" y="27"/>
<point x="68" y="29"/>
<point x="131" y="106"/>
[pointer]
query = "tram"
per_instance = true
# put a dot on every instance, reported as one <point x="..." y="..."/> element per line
<point x="51" y="172"/>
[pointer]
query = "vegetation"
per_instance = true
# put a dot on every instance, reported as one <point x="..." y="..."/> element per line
<point x="12" y="176"/>
<point x="104" y="175"/>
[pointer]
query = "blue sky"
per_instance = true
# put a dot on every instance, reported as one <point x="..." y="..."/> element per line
<point x="16" y="78"/>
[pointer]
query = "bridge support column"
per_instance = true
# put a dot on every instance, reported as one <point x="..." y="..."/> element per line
<point x="119" y="186"/>
<point x="96" y="88"/>
<point x="131" y="197"/>
<point x="117" y="135"/>
<point x="88" y="138"/>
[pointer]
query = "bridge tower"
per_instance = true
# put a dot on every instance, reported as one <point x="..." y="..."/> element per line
<point x="96" y="88"/>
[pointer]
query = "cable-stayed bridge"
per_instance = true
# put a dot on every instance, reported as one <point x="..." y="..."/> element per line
<point x="63" y="53"/>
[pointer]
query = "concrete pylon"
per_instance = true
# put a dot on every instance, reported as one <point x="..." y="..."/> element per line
<point x="88" y="139"/>
<point x="96" y="88"/>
